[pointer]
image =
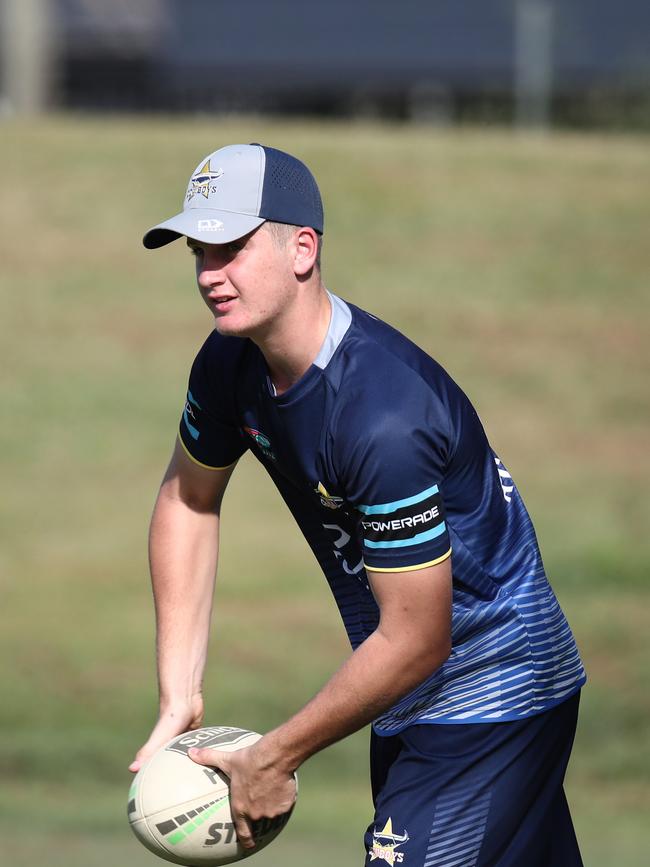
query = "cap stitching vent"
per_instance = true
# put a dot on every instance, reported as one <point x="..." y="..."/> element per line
<point x="285" y="175"/>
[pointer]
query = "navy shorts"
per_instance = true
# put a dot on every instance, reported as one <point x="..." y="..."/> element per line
<point x="475" y="795"/>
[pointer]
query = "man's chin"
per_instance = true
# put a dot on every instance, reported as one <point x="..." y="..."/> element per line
<point x="228" y="328"/>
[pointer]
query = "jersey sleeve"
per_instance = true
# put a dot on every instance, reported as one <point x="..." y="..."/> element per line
<point x="393" y="451"/>
<point x="208" y="429"/>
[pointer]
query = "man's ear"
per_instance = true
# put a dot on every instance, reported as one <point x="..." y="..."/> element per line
<point x="306" y="250"/>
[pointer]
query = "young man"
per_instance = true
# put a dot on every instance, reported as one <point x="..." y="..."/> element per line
<point x="462" y="658"/>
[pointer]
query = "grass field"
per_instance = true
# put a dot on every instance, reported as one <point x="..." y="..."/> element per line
<point x="521" y="263"/>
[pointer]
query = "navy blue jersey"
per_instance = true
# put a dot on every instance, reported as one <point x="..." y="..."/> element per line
<point x="385" y="465"/>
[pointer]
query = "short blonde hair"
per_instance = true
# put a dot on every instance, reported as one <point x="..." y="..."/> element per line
<point x="281" y="232"/>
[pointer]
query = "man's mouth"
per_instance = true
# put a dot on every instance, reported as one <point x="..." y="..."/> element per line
<point x="222" y="301"/>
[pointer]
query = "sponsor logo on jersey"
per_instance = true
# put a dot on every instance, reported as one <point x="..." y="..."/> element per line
<point x="202" y="182"/>
<point x="405" y="522"/>
<point x="262" y="441"/>
<point x="400" y="523"/>
<point x="385" y="844"/>
<point x="328" y="500"/>
<point x="189" y="412"/>
<point x="345" y="552"/>
<point x="507" y="484"/>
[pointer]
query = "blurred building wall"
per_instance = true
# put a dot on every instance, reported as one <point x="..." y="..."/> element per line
<point x="27" y="55"/>
<point x="447" y="59"/>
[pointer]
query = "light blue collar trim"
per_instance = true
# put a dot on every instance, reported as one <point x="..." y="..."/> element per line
<point x="339" y="324"/>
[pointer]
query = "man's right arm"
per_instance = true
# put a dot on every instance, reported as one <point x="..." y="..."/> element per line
<point x="183" y="548"/>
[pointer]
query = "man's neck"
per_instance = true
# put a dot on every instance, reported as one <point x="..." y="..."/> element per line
<point x="291" y="349"/>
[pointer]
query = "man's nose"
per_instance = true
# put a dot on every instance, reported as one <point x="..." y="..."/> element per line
<point x="212" y="270"/>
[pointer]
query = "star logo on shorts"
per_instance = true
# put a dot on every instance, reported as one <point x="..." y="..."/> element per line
<point x="385" y="842"/>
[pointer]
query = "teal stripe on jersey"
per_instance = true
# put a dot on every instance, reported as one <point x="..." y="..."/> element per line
<point x="384" y="508"/>
<point x="193" y="431"/>
<point x="415" y="540"/>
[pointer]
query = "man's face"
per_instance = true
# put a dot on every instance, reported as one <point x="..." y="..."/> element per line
<point x="246" y="284"/>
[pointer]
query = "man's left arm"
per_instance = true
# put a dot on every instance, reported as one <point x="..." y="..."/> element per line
<point x="412" y="640"/>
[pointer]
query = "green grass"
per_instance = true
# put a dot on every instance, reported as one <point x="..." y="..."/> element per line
<point x="520" y="262"/>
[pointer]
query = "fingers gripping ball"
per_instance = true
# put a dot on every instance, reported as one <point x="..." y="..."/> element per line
<point x="180" y="810"/>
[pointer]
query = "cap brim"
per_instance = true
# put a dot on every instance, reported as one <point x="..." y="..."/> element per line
<point x="207" y="226"/>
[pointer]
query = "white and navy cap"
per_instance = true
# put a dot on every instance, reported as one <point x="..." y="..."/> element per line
<point x="237" y="188"/>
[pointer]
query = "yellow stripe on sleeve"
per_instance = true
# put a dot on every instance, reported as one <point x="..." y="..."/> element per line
<point x="205" y="466"/>
<point x="412" y="568"/>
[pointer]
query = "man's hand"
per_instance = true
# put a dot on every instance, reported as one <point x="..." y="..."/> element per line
<point x="171" y="722"/>
<point x="259" y="787"/>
